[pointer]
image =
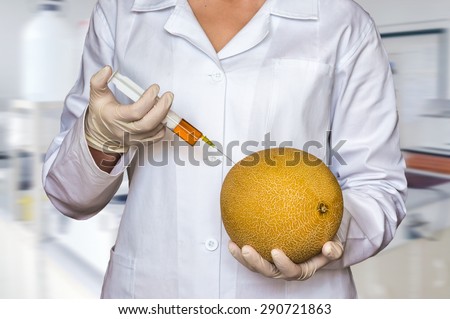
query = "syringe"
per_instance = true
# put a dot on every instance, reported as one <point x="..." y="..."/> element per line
<point x="173" y="121"/>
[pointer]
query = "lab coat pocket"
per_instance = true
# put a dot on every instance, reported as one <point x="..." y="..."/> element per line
<point x="119" y="277"/>
<point x="300" y="106"/>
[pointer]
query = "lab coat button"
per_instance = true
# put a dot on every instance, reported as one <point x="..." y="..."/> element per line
<point x="211" y="244"/>
<point x="216" y="77"/>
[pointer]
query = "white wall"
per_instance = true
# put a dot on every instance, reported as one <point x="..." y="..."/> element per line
<point x="389" y="12"/>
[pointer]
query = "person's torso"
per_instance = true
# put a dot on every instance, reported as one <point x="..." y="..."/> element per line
<point x="269" y="86"/>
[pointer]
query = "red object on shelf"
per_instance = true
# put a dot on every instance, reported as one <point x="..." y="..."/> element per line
<point x="427" y="162"/>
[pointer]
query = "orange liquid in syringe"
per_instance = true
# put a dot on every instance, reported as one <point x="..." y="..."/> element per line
<point x="187" y="132"/>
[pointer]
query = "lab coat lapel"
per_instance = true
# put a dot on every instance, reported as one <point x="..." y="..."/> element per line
<point x="253" y="33"/>
<point x="296" y="9"/>
<point x="181" y="23"/>
<point x="184" y="24"/>
<point x="152" y="5"/>
<point x="259" y="26"/>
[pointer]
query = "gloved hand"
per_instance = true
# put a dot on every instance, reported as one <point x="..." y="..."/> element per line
<point x="283" y="267"/>
<point x="113" y="127"/>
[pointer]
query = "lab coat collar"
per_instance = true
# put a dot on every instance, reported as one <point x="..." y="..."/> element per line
<point x="152" y="5"/>
<point x="296" y="9"/>
<point x="293" y="9"/>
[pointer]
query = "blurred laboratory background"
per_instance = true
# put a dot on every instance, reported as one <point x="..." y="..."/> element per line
<point x="46" y="255"/>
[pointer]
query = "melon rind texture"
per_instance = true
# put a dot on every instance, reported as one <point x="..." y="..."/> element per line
<point x="281" y="198"/>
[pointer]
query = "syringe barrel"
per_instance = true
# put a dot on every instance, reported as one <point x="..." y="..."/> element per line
<point x="182" y="128"/>
<point x="188" y="132"/>
<point x="173" y="121"/>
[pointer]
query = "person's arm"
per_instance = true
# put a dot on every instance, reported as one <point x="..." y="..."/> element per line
<point x="74" y="183"/>
<point x="373" y="177"/>
<point x="371" y="174"/>
<point x="88" y="169"/>
<point x="104" y="161"/>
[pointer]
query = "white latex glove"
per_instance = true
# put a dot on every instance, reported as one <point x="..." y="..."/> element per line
<point x="283" y="267"/>
<point x="113" y="127"/>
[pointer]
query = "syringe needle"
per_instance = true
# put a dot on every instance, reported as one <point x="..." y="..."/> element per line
<point x="208" y="141"/>
<point x="224" y="154"/>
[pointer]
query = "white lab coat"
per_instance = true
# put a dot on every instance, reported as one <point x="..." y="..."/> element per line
<point x="296" y="71"/>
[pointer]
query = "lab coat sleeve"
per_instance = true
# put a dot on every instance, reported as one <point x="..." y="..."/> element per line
<point x="72" y="180"/>
<point x="369" y="165"/>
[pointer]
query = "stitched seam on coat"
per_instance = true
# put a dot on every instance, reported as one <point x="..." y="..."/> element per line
<point x="351" y="53"/>
<point x="101" y="14"/>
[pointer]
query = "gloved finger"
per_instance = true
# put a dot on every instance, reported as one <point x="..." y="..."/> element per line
<point x="157" y="113"/>
<point x="136" y="111"/>
<point x="155" y="135"/>
<point x="309" y="267"/>
<point x="126" y="134"/>
<point x="236" y="252"/>
<point x="333" y="250"/>
<point x="259" y="264"/>
<point x="302" y="271"/>
<point x="158" y="136"/>
<point x="285" y="265"/>
<point x="99" y="82"/>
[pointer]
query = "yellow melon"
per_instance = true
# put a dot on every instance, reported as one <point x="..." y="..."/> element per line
<point x="281" y="198"/>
